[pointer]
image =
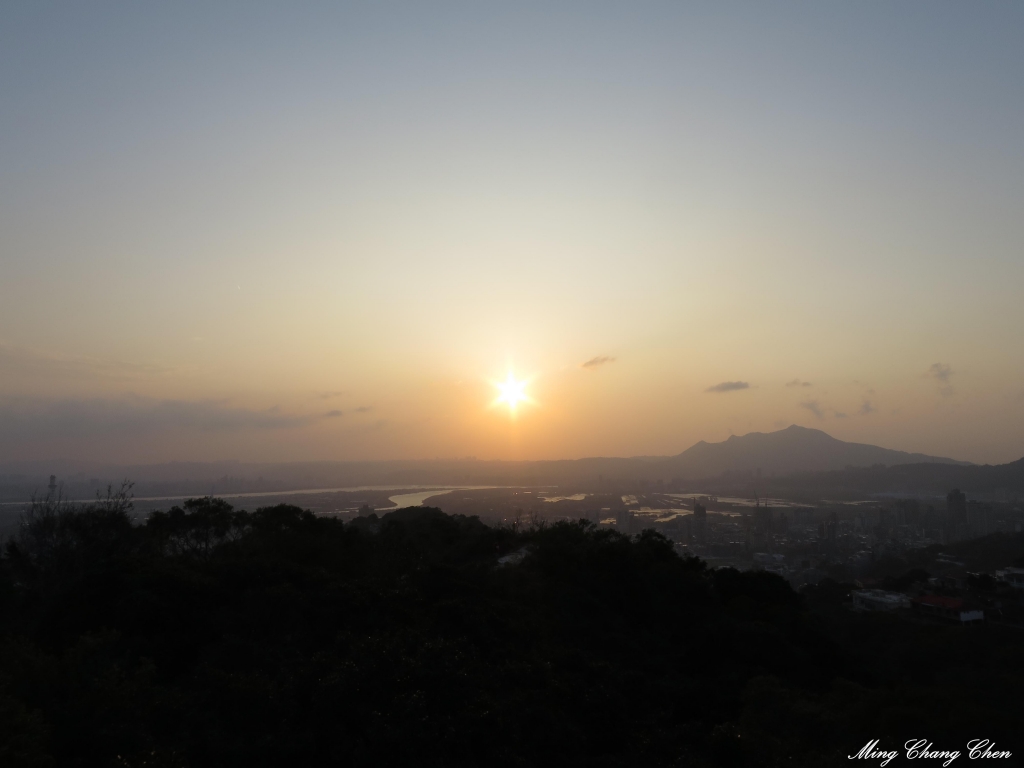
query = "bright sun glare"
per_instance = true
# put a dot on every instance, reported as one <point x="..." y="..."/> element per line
<point x="512" y="392"/>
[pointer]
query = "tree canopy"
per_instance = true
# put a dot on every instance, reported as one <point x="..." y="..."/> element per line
<point x="209" y="636"/>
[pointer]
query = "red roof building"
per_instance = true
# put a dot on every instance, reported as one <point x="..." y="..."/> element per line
<point x="948" y="608"/>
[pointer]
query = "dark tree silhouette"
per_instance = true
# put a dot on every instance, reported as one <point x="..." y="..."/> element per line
<point x="214" y="637"/>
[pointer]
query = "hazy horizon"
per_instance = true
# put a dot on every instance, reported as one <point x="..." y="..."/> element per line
<point x="78" y="467"/>
<point x="257" y="233"/>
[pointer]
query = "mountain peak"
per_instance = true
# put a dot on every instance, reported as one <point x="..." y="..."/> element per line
<point x="789" y="450"/>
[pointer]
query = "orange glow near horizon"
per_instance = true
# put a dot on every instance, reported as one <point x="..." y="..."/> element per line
<point x="423" y="233"/>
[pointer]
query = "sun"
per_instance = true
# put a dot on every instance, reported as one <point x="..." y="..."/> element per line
<point x="511" y="393"/>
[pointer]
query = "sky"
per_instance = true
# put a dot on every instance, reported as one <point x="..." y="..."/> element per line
<point x="294" y="231"/>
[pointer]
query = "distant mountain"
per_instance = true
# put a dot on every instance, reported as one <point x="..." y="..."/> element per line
<point x="1000" y="482"/>
<point x="790" y="450"/>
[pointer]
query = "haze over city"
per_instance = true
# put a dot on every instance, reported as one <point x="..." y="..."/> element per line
<point x="270" y="233"/>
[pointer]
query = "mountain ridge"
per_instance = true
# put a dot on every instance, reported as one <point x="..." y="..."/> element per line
<point x="790" y="450"/>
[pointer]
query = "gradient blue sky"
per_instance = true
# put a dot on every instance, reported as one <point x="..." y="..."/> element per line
<point x="262" y="231"/>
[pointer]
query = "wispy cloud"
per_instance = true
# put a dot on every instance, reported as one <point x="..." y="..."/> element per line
<point x="867" y="408"/>
<point x="798" y="383"/>
<point x="728" y="386"/>
<point x="333" y="414"/>
<point x="363" y="409"/>
<point x="814" y="407"/>
<point x="942" y="373"/>
<point x="839" y="415"/>
<point x="19" y="361"/>
<point x="597" y="362"/>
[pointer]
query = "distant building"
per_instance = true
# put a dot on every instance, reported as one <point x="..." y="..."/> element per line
<point x="861" y="559"/>
<point x="879" y="600"/>
<point x="1012" y="576"/>
<point x="803" y="516"/>
<point x="884" y="527"/>
<point x="956" y="505"/>
<point x="946" y="608"/>
<point x="782" y="524"/>
<point x="956" y="516"/>
<point x="979" y="519"/>
<point x="699" y="527"/>
<point x="948" y="581"/>
<point x="625" y="521"/>
<point x="762" y="518"/>
<point x="808" y="576"/>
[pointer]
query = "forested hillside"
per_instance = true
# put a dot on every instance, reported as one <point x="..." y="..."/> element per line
<point x="214" y="637"/>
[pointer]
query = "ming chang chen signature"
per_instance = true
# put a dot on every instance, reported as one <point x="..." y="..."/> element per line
<point x="922" y="749"/>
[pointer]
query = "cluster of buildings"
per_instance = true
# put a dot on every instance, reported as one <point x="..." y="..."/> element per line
<point x="846" y="542"/>
<point x="951" y="599"/>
